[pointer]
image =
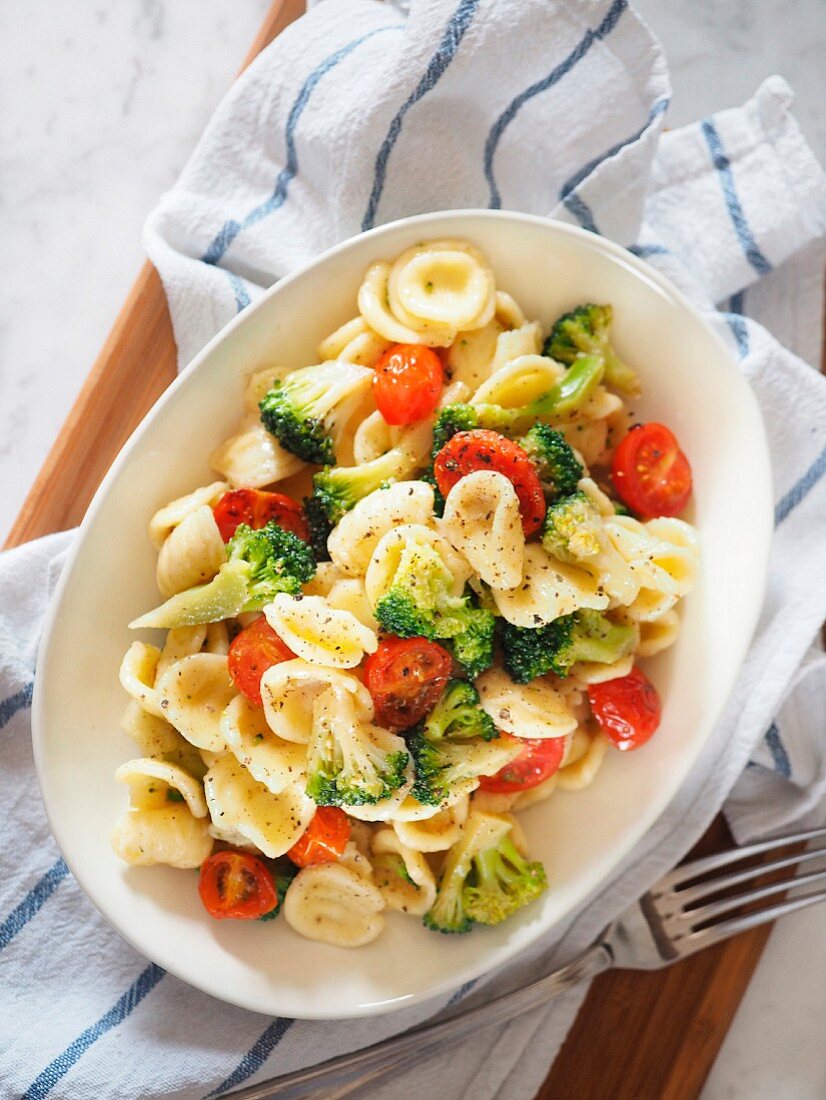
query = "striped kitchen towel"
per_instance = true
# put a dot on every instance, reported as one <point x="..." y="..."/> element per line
<point x="356" y="115"/>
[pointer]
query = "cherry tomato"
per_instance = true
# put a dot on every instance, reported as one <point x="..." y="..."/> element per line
<point x="628" y="709"/>
<point x="405" y="677"/>
<point x="651" y="473"/>
<point x="324" y="839"/>
<point x="251" y="653"/>
<point x="237" y="886"/>
<point x="537" y="762"/>
<point x="256" y="508"/>
<point x="407" y="383"/>
<point x="481" y="449"/>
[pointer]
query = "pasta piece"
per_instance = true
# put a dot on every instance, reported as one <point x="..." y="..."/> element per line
<point x="519" y="381"/>
<point x="318" y="633"/>
<point x="355" y="858"/>
<point x="365" y="349"/>
<point x="411" y="538"/>
<point x="402" y="874"/>
<point x="334" y="904"/>
<point x="385" y="809"/>
<point x="231" y="837"/>
<point x="168" y="835"/>
<point x="508" y="311"/>
<point x="272" y="822"/>
<point x="601" y="501"/>
<point x="357" y="534"/>
<point x="536" y="794"/>
<point x="269" y="759"/>
<point x="334" y="344"/>
<point x="372" y="438"/>
<point x="327" y="575"/>
<point x="180" y="642"/>
<point x="525" y="710"/>
<point x="258" y="385"/>
<point x="208" y="758"/>
<point x="253" y="457"/>
<point x="524" y="340"/>
<point x="549" y="589"/>
<point x="289" y="691"/>
<point x="435" y="833"/>
<point x="581" y="773"/>
<point x="658" y="634"/>
<point x="217" y="639"/>
<point x="373" y="300"/>
<point x="167" y="518"/>
<point x="482" y="521"/>
<point x="442" y="285"/>
<point x="193" y="553"/>
<point x="349" y="595"/>
<point x="137" y="676"/>
<point x="193" y="694"/>
<point x="591" y="672"/>
<point x="664" y="561"/>
<point x="470" y="358"/>
<point x="157" y="739"/>
<point x="150" y="782"/>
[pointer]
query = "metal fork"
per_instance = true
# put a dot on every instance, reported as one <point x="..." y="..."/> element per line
<point x="675" y="919"/>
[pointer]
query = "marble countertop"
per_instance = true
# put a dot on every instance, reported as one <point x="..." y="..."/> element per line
<point x="103" y="101"/>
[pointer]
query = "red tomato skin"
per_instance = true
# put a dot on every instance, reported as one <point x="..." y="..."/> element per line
<point x="650" y="472"/>
<point x="324" y="840"/>
<point x="481" y="449"/>
<point x="251" y="653"/>
<point x="405" y="677"/>
<point x="235" y="885"/>
<point x="407" y="383"/>
<point x="256" y="508"/>
<point x="627" y="709"/>
<point x="539" y="761"/>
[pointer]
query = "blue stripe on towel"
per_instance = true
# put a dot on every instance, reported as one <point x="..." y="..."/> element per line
<point x="61" y="1065"/>
<point x="242" y="297"/>
<point x="451" y="39"/>
<point x="230" y="230"/>
<point x="32" y="903"/>
<point x="738" y="219"/>
<point x="564" y="67"/>
<point x="14" y="703"/>
<point x="646" y="250"/>
<point x="800" y="489"/>
<point x="256" y="1056"/>
<point x="581" y="211"/>
<point x="737" y="322"/>
<point x="780" y="758"/>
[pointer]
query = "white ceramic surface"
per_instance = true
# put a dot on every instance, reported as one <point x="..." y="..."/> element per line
<point x="690" y="383"/>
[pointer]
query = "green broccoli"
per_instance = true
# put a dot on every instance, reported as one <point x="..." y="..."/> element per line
<point x="573" y="529"/>
<point x="260" y="564"/>
<point x="338" y="489"/>
<point x="582" y="636"/>
<point x="458" y="714"/>
<point x="320" y="526"/>
<point x="448" y="913"/>
<point x="308" y="409"/>
<point x="562" y="402"/>
<point x="501" y="881"/>
<point x="418" y="603"/>
<point x="558" y="467"/>
<point x="350" y="764"/>
<point x="389" y="866"/>
<point x="586" y="331"/>
<point x="283" y="874"/>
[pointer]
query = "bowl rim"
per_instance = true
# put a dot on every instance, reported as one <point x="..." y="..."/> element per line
<point x="761" y="531"/>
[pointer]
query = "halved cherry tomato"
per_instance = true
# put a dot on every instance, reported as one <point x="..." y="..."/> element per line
<point x="481" y="449"/>
<point x="538" y="761"/>
<point x="651" y="473"/>
<point x="237" y="886"/>
<point x="628" y="709"/>
<point x="256" y="508"/>
<point x="251" y="653"/>
<point x="405" y="677"/>
<point x="407" y="383"/>
<point x="324" y="839"/>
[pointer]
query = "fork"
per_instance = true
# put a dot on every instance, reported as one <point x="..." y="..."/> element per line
<point x="674" y="920"/>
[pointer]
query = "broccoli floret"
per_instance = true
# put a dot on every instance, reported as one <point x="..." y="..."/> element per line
<point x="458" y="714"/>
<point x="448" y="914"/>
<point x="586" y="331"/>
<point x="501" y="881"/>
<point x="558" y="467"/>
<point x="260" y="564"/>
<point x="320" y="527"/>
<point x="582" y="636"/>
<point x="340" y="488"/>
<point x="306" y="410"/>
<point x="418" y="603"/>
<point x="349" y="763"/>
<point x="561" y="402"/>
<point x="389" y="866"/>
<point x="572" y="529"/>
<point x="282" y="876"/>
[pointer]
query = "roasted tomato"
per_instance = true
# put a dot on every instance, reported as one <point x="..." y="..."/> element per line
<point x="628" y="709"/>
<point x="237" y="886"/>
<point x="324" y="839"/>
<point x="256" y="508"/>
<point x="407" y="383"/>
<point x="537" y="762"/>
<point x="405" y="677"/>
<point x="651" y="473"/>
<point x="251" y="653"/>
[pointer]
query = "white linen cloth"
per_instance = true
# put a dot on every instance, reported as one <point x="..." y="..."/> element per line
<point x="357" y="115"/>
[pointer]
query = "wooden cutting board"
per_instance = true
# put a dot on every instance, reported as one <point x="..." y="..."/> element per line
<point x="638" y="1036"/>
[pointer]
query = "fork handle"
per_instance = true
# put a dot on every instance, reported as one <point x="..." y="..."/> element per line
<point x="339" y="1077"/>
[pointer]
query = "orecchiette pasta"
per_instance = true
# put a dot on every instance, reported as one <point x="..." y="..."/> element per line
<point x="391" y="708"/>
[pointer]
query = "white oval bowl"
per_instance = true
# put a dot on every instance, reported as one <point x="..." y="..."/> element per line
<point x="690" y="382"/>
